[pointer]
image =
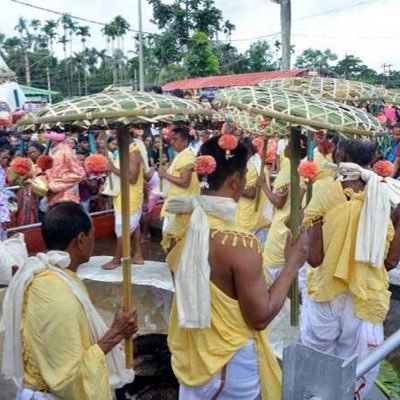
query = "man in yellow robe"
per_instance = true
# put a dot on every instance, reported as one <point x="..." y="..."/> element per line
<point x="223" y="303"/>
<point x="56" y="346"/>
<point x="279" y="196"/>
<point x="136" y="187"/>
<point x="179" y="178"/>
<point x="351" y="247"/>
<point x="248" y="218"/>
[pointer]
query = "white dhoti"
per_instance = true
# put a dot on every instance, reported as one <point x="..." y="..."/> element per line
<point x="333" y="328"/>
<point x="238" y="380"/>
<point x="261" y="234"/>
<point x="29" y="394"/>
<point x="134" y="220"/>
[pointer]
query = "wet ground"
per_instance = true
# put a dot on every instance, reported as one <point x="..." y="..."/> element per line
<point x="154" y="304"/>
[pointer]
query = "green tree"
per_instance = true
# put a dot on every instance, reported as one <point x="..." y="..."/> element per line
<point x="260" y="57"/>
<point x="310" y="58"/>
<point x="200" y="59"/>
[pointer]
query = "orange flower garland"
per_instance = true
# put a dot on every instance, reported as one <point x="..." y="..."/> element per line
<point x="96" y="164"/>
<point x="228" y="143"/>
<point x="204" y="166"/>
<point x="383" y="168"/>
<point x="21" y="166"/>
<point x="308" y="170"/>
<point x="45" y="162"/>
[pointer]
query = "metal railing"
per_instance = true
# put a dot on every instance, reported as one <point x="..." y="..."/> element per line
<point x="379" y="354"/>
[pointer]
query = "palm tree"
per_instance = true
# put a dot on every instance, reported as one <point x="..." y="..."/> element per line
<point x="122" y="26"/>
<point x="84" y="33"/>
<point x="286" y="24"/>
<point x="26" y="37"/>
<point x="50" y="31"/>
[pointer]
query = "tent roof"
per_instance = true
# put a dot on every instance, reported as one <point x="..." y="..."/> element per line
<point x="32" y="91"/>
<point x="242" y="79"/>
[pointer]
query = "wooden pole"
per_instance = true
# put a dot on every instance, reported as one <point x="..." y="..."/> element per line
<point x="294" y="215"/>
<point x="123" y="144"/>
<point x="310" y="157"/>
<point x="262" y="172"/>
<point x="160" y="156"/>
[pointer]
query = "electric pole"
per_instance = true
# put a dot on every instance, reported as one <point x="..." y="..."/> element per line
<point x="141" y="67"/>
<point x="48" y="85"/>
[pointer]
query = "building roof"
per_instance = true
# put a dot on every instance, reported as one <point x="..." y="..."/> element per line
<point x="32" y="91"/>
<point x="242" y="79"/>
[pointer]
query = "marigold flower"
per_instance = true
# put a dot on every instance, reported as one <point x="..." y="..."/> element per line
<point x="96" y="163"/>
<point x="21" y="166"/>
<point x="308" y="170"/>
<point x="205" y="165"/>
<point x="45" y="162"/>
<point x="383" y="168"/>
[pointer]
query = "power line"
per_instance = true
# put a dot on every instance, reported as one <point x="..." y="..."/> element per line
<point x="332" y="11"/>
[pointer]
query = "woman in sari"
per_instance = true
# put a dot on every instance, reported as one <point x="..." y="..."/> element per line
<point x="28" y="204"/>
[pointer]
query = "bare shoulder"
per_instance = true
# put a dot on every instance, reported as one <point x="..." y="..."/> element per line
<point x="238" y="249"/>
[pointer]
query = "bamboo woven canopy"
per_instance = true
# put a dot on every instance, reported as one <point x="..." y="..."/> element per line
<point x="302" y="110"/>
<point x="116" y="108"/>
<point x="252" y="123"/>
<point x="326" y="88"/>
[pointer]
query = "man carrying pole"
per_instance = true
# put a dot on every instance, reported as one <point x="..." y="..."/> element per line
<point x="353" y="241"/>
<point x="223" y="302"/>
<point x="136" y="182"/>
<point x="56" y="345"/>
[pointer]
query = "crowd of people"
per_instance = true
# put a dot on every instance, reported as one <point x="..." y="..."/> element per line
<point x="225" y="230"/>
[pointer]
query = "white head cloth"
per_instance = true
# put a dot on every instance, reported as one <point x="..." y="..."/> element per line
<point x="57" y="261"/>
<point x="12" y="253"/>
<point x="192" y="280"/>
<point x="381" y="195"/>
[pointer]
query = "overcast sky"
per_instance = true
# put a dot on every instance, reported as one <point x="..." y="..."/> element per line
<point x="365" y="28"/>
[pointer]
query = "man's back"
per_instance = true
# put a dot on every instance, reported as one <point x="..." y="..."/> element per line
<point x="56" y="340"/>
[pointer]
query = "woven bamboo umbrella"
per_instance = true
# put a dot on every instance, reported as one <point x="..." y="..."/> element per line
<point x="303" y="111"/>
<point x="341" y="90"/>
<point x="117" y="109"/>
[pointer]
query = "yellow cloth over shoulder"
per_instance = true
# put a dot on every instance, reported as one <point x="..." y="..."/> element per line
<point x="247" y="217"/>
<point x="135" y="190"/>
<point x="56" y="342"/>
<point x="198" y="354"/>
<point x="276" y="240"/>
<point x="339" y="272"/>
<point x="184" y="160"/>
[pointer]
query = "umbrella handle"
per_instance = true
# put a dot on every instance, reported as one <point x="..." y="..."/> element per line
<point x="123" y="144"/>
<point x="294" y="216"/>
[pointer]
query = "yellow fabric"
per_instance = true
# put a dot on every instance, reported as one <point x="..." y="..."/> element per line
<point x="185" y="161"/>
<point x="135" y="190"/>
<point x="57" y="352"/>
<point x="339" y="272"/>
<point x="276" y="240"/>
<point x="323" y="172"/>
<point x="247" y="217"/>
<point x="198" y="354"/>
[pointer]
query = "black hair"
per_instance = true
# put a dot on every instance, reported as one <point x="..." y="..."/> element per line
<point x="85" y="153"/>
<point x="111" y="139"/>
<point x="247" y="142"/>
<point x="303" y="147"/>
<point x="63" y="223"/>
<point x="6" y="147"/>
<point x="187" y="93"/>
<point x="153" y="88"/>
<point x="184" y="133"/>
<point x="83" y="138"/>
<point x="40" y="148"/>
<point x="225" y="167"/>
<point x="359" y="151"/>
<point x="178" y="93"/>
